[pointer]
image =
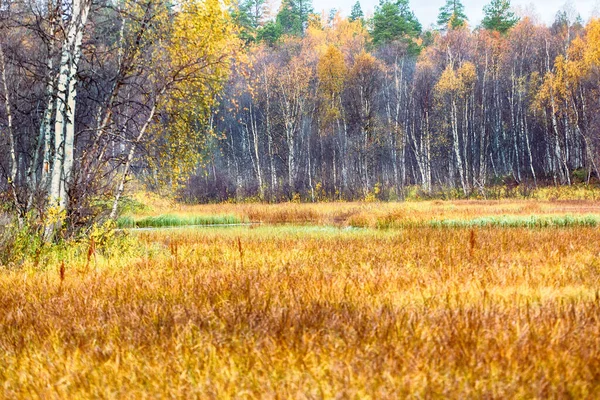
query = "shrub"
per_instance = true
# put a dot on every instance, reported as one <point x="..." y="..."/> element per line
<point x="18" y="244"/>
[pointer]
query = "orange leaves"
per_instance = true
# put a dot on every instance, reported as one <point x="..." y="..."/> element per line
<point x="365" y="64"/>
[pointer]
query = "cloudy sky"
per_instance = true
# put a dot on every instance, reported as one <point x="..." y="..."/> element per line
<point x="427" y="10"/>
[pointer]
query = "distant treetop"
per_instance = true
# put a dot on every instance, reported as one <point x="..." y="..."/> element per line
<point x="498" y="16"/>
<point x="452" y="15"/>
<point x="394" y="20"/>
<point x="356" y="13"/>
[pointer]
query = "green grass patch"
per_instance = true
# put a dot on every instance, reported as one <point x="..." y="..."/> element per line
<point x="168" y="221"/>
<point x="531" y="221"/>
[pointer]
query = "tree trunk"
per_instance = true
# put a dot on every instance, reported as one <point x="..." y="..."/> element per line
<point x="64" y="126"/>
<point x="254" y="128"/>
<point x="12" y="176"/>
<point x="456" y="145"/>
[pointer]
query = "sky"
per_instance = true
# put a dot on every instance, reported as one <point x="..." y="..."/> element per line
<point x="428" y="10"/>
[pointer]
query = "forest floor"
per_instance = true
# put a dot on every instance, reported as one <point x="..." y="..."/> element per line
<point x="463" y="299"/>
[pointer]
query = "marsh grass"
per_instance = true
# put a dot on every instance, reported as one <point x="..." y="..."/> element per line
<point x="313" y="311"/>
<point x="438" y="214"/>
<point x="166" y="221"/>
<point x="533" y="221"/>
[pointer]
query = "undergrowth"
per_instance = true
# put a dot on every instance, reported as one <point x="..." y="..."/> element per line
<point x="23" y="247"/>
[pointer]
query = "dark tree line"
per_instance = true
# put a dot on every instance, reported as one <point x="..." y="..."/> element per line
<point x="352" y="107"/>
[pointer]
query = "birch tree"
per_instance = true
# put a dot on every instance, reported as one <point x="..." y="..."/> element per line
<point x="64" y="121"/>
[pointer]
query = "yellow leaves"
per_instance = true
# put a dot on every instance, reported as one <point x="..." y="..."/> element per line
<point x="294" y="78"/>
<point x="556" y="85"/>
<point x="425" y="63"/>
<point x="315" y="40"/>
<point x="332" y="70"/>
<point x="457" y="82"/>
<point x="583" y="57"/>
<point x="364" y="64"/>
<point x="592" y="43"/>
<point x="577" y="49"/>
<point x="448" y="81"/>
<point x="576" y="68"/>
<point x="559" y="81"/>
<point x="349" y="37"/>
<point x="201" y="47"/>
<point x="467" y="74"/>
<point x="581" y="62"/>
<point x="203" y="38"/>
<point x="544" y="92"/>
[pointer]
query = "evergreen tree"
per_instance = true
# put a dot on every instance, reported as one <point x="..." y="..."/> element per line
<point x="395" y="21"/>
<point x="332" y="13"/>
<point x="452" y="15"/>
<point x="566" y="19"/>
<point x="248" y="15"/>
<point x="498" y="16"/>
<point x="255" y="10"/>
<point x="356" y="13"/>
<point x="293" y="15"/>
<point x="269" y="33"/>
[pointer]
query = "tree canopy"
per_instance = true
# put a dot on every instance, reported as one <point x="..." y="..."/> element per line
<point x="394" y="20"/>
<point x="356" y="13"/>
<point x="498" y="16"/>
<point x="452" y="15"/>
<point x="293" y="16"/>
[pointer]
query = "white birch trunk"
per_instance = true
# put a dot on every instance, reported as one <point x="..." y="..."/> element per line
<point x="12" y="177"/>
<point x="64" y="129"/>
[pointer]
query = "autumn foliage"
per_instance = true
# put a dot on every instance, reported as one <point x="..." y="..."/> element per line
<point x="509" y="103"/>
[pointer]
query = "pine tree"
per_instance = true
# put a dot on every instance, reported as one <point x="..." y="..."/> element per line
<point x="248" y="15"/>
<point x="498" y="16"/>
<point x="293" y="15"/>
<point x="452" y="15"/>
<point x="394" y="21"/>
<point x="269" y="33"/>
<point x="332" y="13"/>
<point x="356" y="13"/>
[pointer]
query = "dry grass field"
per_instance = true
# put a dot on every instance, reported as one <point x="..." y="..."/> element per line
<point x="336" y="300"/>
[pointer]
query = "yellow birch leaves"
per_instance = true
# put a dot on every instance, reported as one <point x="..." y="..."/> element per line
<point x="201" y="48"/>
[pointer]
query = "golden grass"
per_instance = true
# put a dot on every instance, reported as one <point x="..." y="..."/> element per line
<point x="313" y="311"/>
<point x="377" y="214"/>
